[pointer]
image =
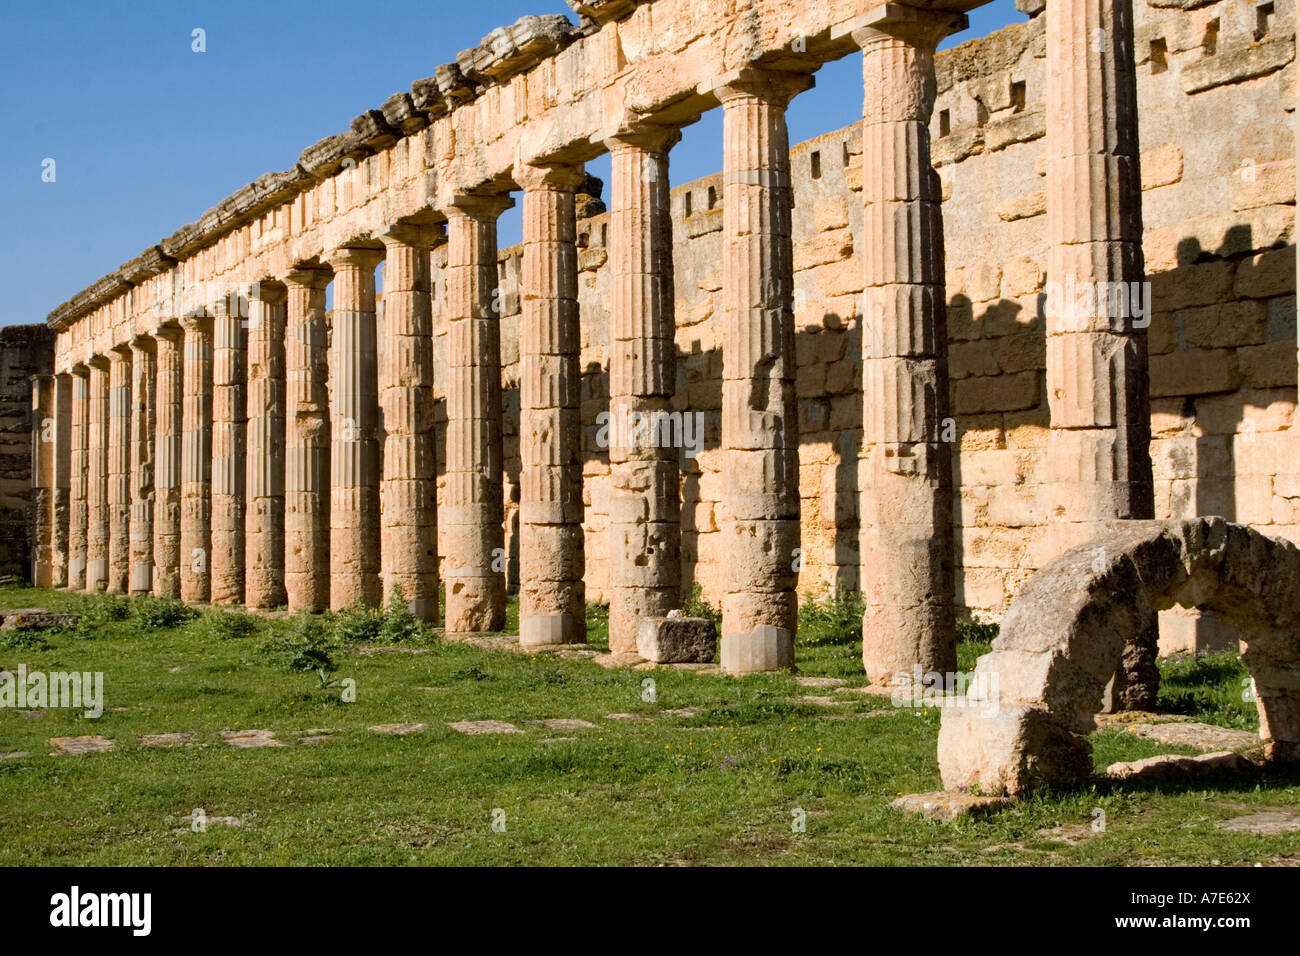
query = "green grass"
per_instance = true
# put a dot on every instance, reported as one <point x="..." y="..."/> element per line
<point x="719" y="787"/>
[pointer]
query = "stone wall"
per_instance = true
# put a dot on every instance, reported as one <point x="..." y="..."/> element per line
<point x="25" y="350"/>
<point x="1219" y="199"/>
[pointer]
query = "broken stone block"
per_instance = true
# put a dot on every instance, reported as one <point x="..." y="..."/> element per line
<point x="948" y="804"/>
<point x="1177" y="767"/>
<point x="677" y="640"/>
<point x="36" y="619"/>
<point x="248" y="739"/>
<point x="89" y="744"/>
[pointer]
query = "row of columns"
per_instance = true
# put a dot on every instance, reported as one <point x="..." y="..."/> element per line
<point x="260" y="483"/>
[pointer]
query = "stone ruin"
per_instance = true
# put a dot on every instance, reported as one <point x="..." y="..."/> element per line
<point x="896" y="395"/>
<point x="1089" y="616"/>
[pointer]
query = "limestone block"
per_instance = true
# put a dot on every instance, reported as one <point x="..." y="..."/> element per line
<point x="677" y="640"/>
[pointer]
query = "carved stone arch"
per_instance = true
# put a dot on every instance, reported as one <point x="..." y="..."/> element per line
<point x="1035" y="696"/>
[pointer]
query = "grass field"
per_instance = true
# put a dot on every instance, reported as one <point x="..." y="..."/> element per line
<point x="721" y="781"/>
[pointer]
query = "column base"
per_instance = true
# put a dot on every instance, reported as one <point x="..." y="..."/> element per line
<point x="424" y="609"/>
<point x="550" y="630"/>
<point x="764" y="649"/>
<point x="141" y="580"/>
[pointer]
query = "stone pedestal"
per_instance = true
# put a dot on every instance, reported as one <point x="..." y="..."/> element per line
<point x="229" y="446"/>
<point x="196" y="461"/>
<point x="473" y="512"/>
<point x="168" y="430"/>
<point x="354" y="427"/>
<point x="97" y="477"/>
<point x="645" y="510"/>
<point x="760" y="431"/>
<point x="905" y="464"/>
<point x="408" y="491"/>
<point x="143" y="411"/>
<point x="307" y="444"/>
<point x="264" y="467"/>
<point x="552" y="596"/>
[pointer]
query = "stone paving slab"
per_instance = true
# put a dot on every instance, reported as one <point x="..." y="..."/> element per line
<point x="399" y="730"/>
<point x="249" y="739"/>
<point x="817" y="701"/>
<point x="948" y="805"/>
<point x="820" y="681"/>
<point x="483" y="727"/>
<point x="318" y="735"/>
<point x="1178" y="767"/>
<point x="564" y="723"/>
<point x="89" y="744"/>
<point x="1200" y="736"/>
<point x="611" y="661"/>
<point x="166" y="740"/>
<point x="14" y="754"/>
<point x="1267" y="822"/>
<point x="637" y="718"/>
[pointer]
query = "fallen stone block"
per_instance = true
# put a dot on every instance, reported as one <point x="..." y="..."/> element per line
<point x="35" y="619"/>
<point x="949" y="805"/>
<point x="1177" y="767"/>
<point x="677" y="640"/>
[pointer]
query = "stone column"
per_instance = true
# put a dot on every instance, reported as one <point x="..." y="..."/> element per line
<point x="119" y="469"/>
<point x="143" y="399"/>
<point x="196" y="461"/>
<point x="229" y="446"/>
<point x="1098" y="448"/>
<point x="760" y="428"/>
<point x="41" y="518"/>
<point x="62" y="425"/>
<point x="645" y="509"/>
<point x="307" y="444"/>
<point x="905" y="463"/>
<point x="264" y="478"/>
<point x="97" y="477"/>
<point x="354" y="423"/>
<point x="552" y="596"/>
<point x="473" y="512"/>
<point x="409" y="491"/>
<point x="168" y="405"/>
<point x="78" y="484"/>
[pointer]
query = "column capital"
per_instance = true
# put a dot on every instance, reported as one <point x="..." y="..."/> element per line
<point x="643" y="137"/>
<point x="561" y="177"/>
<point x="141" y="343"/>
<point x="481" y="207"/>
<point x="778" y="87"/>
<point x="897" y="21"/>
<point x="309" y="277"/>
<point x="120" y="352"/>
<point x="356" y="257"/>
<point x="422" y="235"/>
<point x="196" y="322"/>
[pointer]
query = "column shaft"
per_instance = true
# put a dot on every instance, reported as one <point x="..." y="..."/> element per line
<point x="168" y="429"/>
<point x="473" y="512"/>
<point x="552" y="596"/>
<point x="354" y="421"/>
<point x="905" y="466"/>
<point x="196" y="462"/>
<point x="645" y="509"/>
<point x="78" y="484"/>
<point x="229" y="445"/>
<point x="41" y="517"/>
<point x="409" y="489"/>
<point x="97" y="478"/>
<point x="307" y="444"/>
<point x="62" y="425"/>
<point x="759" y="422"/>
<point x="119" y="469"/>
<point x="264" y="478"/>
<point x="1098" y="448"/>
<point x="143" y="401"/>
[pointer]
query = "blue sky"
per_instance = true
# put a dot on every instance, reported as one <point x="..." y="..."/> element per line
<point x="146" y="134"/>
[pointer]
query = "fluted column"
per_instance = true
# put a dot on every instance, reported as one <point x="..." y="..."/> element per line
<point x="78" y="483"/>
<point x="759" y="424"/>
<point x="552" y="596"/>
<point x="408" y="492"/>
<point x="41" y="517"/>
<point x="264" y="477"/>
<point x="1098" y="452"/>
<point x="905" y="463"/>
<point x="196" y="461"/>
<point x="354" y="425"/>
<point x="307" y="444"/>
<point x="229" y="446"/>
<point x="645" y="508"/>
<point x="473" y="510"/>
<point x="62" y="427"/>
<point x="119" y="469"/>
<point x="168" y="430"/>
<point x="97" y="477"/>
<point x="143" y="398"/>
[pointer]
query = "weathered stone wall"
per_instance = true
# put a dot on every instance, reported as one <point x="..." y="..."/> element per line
<point x="25" y="350"/>
<point x="1219" y="203"/>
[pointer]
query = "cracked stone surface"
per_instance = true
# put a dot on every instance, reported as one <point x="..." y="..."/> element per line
<point x="483" y="727"/>
<point x="1200" y="736"/>
<point x="89" y="744"/>
<point x="1177" y="767"/>
<point x="250" y="739"/>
